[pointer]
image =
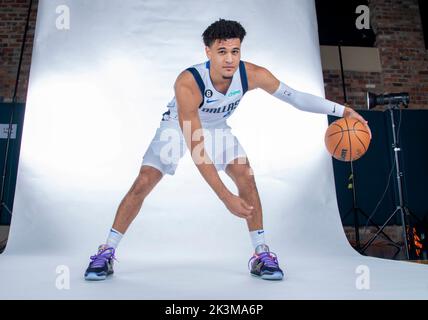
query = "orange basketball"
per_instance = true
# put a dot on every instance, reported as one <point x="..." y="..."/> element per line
<point x="347" y="139"/>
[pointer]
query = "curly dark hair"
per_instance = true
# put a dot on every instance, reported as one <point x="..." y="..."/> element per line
<point x="222" y="30"/>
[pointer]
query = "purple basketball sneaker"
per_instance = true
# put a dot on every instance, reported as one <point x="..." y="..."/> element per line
<point x="264" y="264"/>
<point x="101" y="264"/>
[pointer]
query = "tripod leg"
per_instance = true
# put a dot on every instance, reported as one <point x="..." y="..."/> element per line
<point x="377" y="227"/>
<point x="378" y="232"/>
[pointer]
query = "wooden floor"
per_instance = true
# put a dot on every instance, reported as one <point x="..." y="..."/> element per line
<point x="419" y="261"/>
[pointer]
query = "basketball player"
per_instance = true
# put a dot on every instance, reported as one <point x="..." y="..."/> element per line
<point x="206" y="95"/>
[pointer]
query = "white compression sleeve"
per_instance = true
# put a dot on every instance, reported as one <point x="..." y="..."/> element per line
<point x="308" y="102"/>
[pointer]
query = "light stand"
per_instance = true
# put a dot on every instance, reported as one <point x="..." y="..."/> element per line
<point x="356" y="211"/>
<point x="401" y="208"/>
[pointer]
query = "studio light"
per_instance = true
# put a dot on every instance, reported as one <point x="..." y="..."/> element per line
<point x="374" y="100"/>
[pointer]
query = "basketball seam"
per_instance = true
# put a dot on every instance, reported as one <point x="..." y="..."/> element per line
<point x="338" y="126"/>
<point x="350" y="143"/>
<point x="365" y="149"/>
<point x="337" y="145"/>
<point x="357" y="130"/>
<point x="330" y="135"/>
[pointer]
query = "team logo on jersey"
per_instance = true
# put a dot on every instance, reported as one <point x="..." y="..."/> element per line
<point x="208" y="93"/>
<point x="234" y="93"/>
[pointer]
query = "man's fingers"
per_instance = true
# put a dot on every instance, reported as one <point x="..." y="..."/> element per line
<point x="246" y="205"/>
<point x="248" y="216"/>
<point x="246" y="212"/>
<point x="362" y="120"/>
<point x="244" y="216"/>
<point x="240" y="215"/>
<point x="246" y="209"/>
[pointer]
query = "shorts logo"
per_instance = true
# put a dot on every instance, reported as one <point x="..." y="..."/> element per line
<point x="208" y="93"/>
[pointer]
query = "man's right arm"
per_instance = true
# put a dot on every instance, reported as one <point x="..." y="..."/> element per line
<point x="188" y="102"/>
<point x="188" y="99"/>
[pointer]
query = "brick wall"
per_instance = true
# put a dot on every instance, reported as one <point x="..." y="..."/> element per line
<point x="356" y="86"/>
<point x="13" y="15"/>
<point x="404" y="59"/>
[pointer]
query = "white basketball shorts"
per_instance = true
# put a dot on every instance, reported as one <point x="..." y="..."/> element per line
<point x="168" y="146"/>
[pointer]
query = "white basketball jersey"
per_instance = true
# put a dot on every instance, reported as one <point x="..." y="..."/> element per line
<point x="216" y="106"/>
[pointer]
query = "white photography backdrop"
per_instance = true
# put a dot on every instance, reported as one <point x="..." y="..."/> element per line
<point x="98" y="88"/>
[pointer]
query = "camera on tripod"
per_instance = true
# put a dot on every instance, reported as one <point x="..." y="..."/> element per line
<point x="392" y="99"/>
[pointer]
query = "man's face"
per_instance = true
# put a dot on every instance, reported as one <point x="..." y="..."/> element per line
<point x="224" y="56"/>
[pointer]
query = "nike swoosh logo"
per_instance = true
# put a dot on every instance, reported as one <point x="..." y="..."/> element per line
<point x="260" y="232"/>
<point x="211" y="101"/>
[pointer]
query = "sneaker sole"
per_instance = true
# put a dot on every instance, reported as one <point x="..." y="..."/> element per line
<point x="95" y="277"/>
<point x="274" y="276"/>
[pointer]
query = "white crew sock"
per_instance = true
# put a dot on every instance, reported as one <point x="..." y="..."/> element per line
<point x="257" y="237"/>
<point x="114" y="238"/>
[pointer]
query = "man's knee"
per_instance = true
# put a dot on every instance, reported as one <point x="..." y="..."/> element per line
<point x="147" y="178"/>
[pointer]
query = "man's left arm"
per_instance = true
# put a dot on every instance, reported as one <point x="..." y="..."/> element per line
<point x="259" y="77"/>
